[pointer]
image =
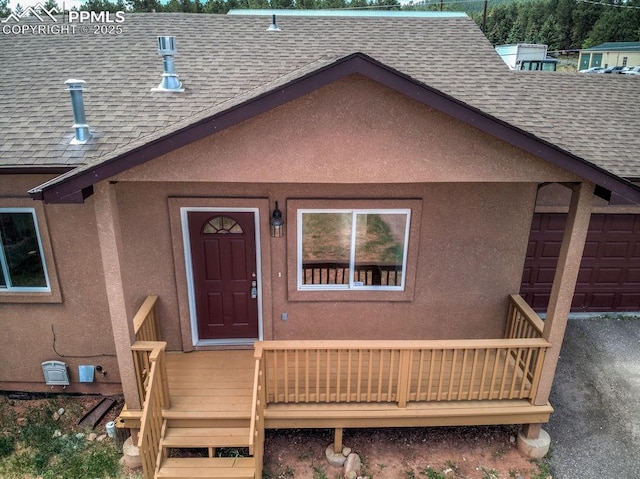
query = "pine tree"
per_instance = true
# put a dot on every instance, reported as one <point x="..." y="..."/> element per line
<point x="50" y="5"/>
<point x="4" y="8"/>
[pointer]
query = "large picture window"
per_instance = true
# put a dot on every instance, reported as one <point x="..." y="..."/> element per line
<point x="22" y="263"/>
<point x="352" y="248"/>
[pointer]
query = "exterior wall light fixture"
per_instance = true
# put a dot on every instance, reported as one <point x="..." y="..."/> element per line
<point x="277" y="223"/>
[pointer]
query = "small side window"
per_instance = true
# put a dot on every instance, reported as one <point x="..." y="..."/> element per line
<point x="22" y="263"/>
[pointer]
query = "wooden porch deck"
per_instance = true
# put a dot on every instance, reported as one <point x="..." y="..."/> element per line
<point x="210" y="385"/>
<point x="217" y="386"/>
<point x="218" y="399"/>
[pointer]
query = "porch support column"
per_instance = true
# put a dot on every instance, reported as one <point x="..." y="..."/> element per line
<point x="564" y="283"/>
<point x="109" y="236"/>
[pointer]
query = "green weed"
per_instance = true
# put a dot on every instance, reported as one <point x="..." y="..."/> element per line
<point x="543" y="469"/>
<point x="319" y="472"/>
<point x="489" y="473"/>
<point x="431" y="473"/>
<point x="7" y="445"/>
<point x="41" y="449"/>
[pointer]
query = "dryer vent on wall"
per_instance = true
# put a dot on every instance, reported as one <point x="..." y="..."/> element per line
<point x="55" y="373"/>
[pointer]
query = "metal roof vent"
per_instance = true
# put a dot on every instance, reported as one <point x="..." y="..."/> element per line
<point x="75" y="88"/>
<point x="274" y="25"/>
<point x="170" y="82"/>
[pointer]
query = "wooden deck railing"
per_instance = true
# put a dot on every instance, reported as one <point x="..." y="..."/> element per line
<point x="400" y="371"/>
<point x="157" y="398"/>
<point x="146" y="330"/>
<point x="522" y="320"/>
<point x="145" y="322"/>
<point x="335" y="272"/>
<point x="256" y="432"/>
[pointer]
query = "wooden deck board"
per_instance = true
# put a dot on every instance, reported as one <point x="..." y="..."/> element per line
<point x="191" y="437"/>
<point x="197" y="467"/>
<point x="210" y="384"/>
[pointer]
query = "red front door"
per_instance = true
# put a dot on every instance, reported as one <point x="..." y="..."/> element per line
<point x="223" y="258"/>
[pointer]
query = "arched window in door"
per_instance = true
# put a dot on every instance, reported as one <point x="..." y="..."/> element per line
<point x="222" y="225"/>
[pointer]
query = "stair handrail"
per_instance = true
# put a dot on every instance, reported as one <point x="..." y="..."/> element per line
<point x="522" y="320"/>
<point x="145" y="323"/>
<point x="256" y="428"/>
<point x="157" y="398"/>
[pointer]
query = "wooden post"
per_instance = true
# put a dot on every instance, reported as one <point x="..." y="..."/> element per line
<point x="531" y="431"/>
<point x="109" y="237"/>
<point x="337" y="441"/>
<point x="564" y="283"/>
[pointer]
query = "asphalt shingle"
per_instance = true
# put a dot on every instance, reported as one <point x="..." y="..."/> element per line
<point x="225" y="59"/>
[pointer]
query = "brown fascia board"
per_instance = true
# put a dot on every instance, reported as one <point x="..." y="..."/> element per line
<point x="74" y="186"/>
<point x="35" y="170"/>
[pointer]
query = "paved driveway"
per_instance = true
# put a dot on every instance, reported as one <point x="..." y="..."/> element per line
<point x="595" y="431"/>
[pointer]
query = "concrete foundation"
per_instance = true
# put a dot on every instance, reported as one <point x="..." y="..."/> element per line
<point x="131" y="454"/>
<point x="534" y="448"/>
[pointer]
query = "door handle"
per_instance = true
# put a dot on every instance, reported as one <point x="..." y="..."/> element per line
<point x="254" y="289"/>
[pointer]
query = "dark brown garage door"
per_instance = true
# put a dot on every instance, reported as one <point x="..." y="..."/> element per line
<point x="609" y="278"/>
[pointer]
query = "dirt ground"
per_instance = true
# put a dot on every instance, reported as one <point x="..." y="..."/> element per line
<point x="402" y="453"/>
<point x="394" y="453"/>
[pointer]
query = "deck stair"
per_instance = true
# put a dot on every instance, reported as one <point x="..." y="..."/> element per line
<point x="210" y="409"/>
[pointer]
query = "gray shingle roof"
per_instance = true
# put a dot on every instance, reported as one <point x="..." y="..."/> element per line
<point x="223" y="60"/>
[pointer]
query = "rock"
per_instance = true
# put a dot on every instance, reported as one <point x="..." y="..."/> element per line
<point x="92" y="437"/>
<point x="101" y="437"/>
<point x="61" y="411"/>
<point x="22" y="421"/>
<point x="352" y="466"/>
<point x="56" y="416"/>
<point x="346" y="451"/>
<point x="334" y="459"/>
<point x="57" y="433"/>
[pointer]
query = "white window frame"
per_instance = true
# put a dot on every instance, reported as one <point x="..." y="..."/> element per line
<point x="352" y="284"/>
<point x="3" y="260"/>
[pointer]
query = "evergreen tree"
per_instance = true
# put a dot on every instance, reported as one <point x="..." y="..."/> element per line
<point x="18" y="11"/>
<point x="332" y="4"/>
<point x="615" y="24"/>
<point x="358" y="3"/>
<point x="306" y="4"/>
<point x="4" y="9"/>
<point x="101" y="6"/>
<point x="49" y="6"/>
<point x="146" y="6"/>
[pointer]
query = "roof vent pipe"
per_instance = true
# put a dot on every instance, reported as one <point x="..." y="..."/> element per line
<point x="274" y="25"/>
<point x="75" y="88"/>
<point x="170" y="82"/>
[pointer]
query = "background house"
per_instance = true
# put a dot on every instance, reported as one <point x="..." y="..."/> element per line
<point x="610" y="54"/>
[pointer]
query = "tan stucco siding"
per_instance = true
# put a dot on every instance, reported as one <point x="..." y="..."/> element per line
<point x="471" y="247"/>
<point x="353" y="131"/>
<point x="78" y="315"/>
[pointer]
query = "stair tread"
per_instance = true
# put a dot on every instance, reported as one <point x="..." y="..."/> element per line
<point x="206" y="436"/>
<point x="207" y="467"/>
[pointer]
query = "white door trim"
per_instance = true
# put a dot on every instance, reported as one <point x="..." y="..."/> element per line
<point x="196" y="341"/>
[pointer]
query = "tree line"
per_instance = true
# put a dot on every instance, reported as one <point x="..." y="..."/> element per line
<point x="560" y="24"/>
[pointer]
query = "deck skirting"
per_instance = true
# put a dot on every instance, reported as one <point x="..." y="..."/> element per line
<point x="444" y="413"/>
